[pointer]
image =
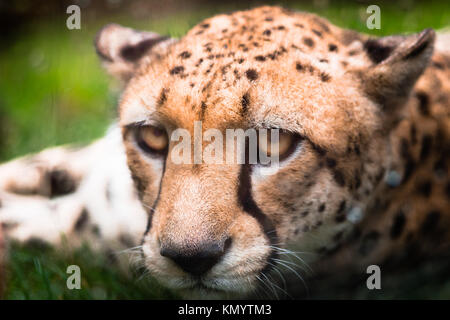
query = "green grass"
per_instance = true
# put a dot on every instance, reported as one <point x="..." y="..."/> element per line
<point x="37" y="272"/>
<point x="53" y="91"/>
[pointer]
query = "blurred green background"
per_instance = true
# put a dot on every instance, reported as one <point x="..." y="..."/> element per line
<point x="53" y="91"/>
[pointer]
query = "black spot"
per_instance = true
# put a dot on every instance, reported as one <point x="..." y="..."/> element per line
<point x="424" y="102"/>
<point x="325" y="77"/>
<point x="185" y="54"/>
<point x="267" y="32"/>
<point x="427" y="142"/>
<point x="273" y="55"/>
<point x="245" y="102"/>
<point x="304" y="213"/>
<point x="357" y="180"/>
<point x="430" y="223"/>
<point x="204" y="25"/>
<point x="162" y="97"/>
<point x="341" y="207"/>
<point x="340" y="218"/>
<point x="424" y="188"/>
<point x="199" y="62"/>
<point x="332" y="47"/>
<point x="299" y="66"/>
<point x="369" y="242"/>
<point x="398" y="225"/>
<point x="357" y="149"/>
<point x="409" y="170"/>
<point x="281" y="28"/>
<point x="268" y="19"/>
<point x="339" y="177"/>
<point x="331" y="163"/>
<point x="309" y="42"/>
<point x="317" y="32"/>
<point x="356" y="234"/>
<point x="322" y="207"/>
<point x="251" y="74"/>
<point x="203" y="107"/>
<point x="404" y="149"/>
<point x="260" y="58"/>
<point x="319" y="150"/>
<point x="82" y="221"/>
<point x="61" y="183"/>
<point x="177" y="70"/>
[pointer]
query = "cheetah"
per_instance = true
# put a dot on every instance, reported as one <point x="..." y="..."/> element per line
<point x="364" y="152"/>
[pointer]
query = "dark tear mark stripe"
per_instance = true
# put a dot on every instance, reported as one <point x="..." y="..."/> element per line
<point x="150" y="212"/>
<point x="247" y="202"/>
<point x="249" y="205"/>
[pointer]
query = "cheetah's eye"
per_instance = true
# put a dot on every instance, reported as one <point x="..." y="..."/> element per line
<point x="281" y="147"/>
<point x="151" y="139"/>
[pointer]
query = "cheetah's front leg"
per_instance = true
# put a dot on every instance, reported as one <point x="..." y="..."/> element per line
<point x="72" y="195"/>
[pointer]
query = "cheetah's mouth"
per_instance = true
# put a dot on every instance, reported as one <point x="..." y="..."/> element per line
<point x="199" y="287"/>
<point x="202" y="288"/>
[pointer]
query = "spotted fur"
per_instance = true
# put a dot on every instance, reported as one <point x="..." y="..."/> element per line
<point x="368" y="183"/>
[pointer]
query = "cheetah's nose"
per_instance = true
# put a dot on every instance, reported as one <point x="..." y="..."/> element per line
<point x="199" y="260"/>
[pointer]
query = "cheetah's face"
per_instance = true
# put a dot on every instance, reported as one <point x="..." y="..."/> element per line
<point x="221" y="227"/>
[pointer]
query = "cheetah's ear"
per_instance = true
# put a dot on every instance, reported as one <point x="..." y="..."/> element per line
<point x="398" y="61"/>
<point x="121" y="49"/>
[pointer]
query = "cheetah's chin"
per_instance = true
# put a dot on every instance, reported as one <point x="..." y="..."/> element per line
<point x="212" y="288"/>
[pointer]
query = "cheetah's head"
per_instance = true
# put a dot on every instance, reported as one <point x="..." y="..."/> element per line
<point x="333" y="93"/>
